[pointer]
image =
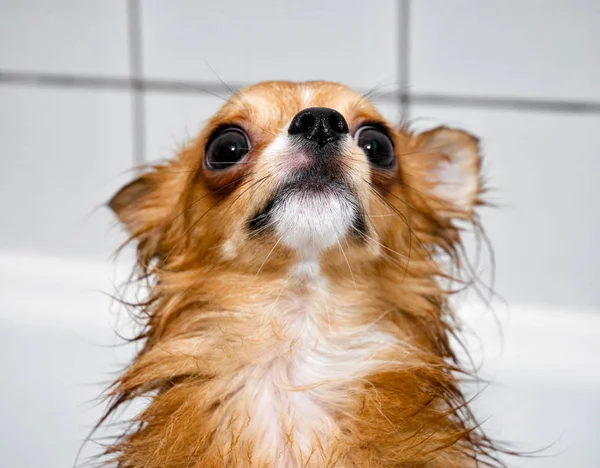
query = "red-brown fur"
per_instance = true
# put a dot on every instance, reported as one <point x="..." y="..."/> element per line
<point x="203" y="320"/>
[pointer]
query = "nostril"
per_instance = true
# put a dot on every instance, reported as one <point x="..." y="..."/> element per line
<point x="303" y="123"/>
<point x="306" y="122"/>
<point x="337" y="123"/>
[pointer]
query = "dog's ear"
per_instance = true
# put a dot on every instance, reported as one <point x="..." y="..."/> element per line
<point x="445" y="167"/>
<point x="144" y="207"/>
<point x="131" y="203"/>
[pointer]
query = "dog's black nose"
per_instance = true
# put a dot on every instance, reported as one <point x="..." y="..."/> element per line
<point x="319" y="124"/>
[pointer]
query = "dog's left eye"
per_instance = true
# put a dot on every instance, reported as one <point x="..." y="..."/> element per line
<point x="377" y="146"/>
<point x="227" y="148"/>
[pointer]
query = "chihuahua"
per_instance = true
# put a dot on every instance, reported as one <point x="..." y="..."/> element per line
<point x="295" y="255"/>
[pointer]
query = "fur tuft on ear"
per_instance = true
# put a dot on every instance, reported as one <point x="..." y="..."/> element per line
<point x="129" y="201"/>
<point x="144" y="206"/>
<point x="448" y="163"/>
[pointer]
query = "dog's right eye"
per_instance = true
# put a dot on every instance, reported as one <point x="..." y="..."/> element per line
<point x="226" y="148"/>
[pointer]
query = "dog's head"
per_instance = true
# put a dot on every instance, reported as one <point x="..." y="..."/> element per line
<point x="302" y="171"/>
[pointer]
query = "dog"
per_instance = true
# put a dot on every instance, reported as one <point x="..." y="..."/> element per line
<point x="295" y="254"/>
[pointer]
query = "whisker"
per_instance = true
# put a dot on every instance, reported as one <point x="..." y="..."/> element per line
<point x="228" y="100"/>
<point x="257" y="232"/>
<point x="405" y="220"/>
<point x="236" y="93"/>
<point x="386" y="255"/>
<point x="253" y="185"/>
<point x="195" y="202"/>
<point x="219" y="78"/>
<point x="195" y="223"/>
<point x="347" y="263"/>
<point x="265" y="260"/>
<point x="372" y="239"/>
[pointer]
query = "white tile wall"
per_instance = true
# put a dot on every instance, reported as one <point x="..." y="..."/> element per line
<point x="544" y="167"/>
<point x="174" y="119"/>
<point x="389" y="108"/>
<point x="534" y="48"/>
<point x="64" y="152"/>
<point x="341" y="40"/>
<point x="64" y="36"/>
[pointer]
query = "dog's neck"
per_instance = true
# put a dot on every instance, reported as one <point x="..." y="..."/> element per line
<point x="302" y="370"/>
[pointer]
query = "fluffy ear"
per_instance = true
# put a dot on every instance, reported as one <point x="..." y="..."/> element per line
<point x="142" y="208"/>
<point x="145" y="207"/>
<point x="130" y="203"/>
<point x="447" y="165"/>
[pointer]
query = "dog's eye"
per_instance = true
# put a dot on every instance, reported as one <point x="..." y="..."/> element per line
<point x="227" y="148"/>
<point x="377" y="146"/>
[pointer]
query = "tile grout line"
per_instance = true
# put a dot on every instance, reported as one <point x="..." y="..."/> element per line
<point x="136" y="83"/>
<point x="404" y="22"/>
<point x="212" y="88"/>
<point x="506" y="103"/>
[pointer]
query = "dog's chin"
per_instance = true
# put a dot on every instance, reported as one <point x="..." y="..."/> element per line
<point x="312" y="222"/>
<point x="312" y="216"/>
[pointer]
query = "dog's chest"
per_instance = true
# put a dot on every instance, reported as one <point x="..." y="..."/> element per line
<point x="305" y="378"/>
